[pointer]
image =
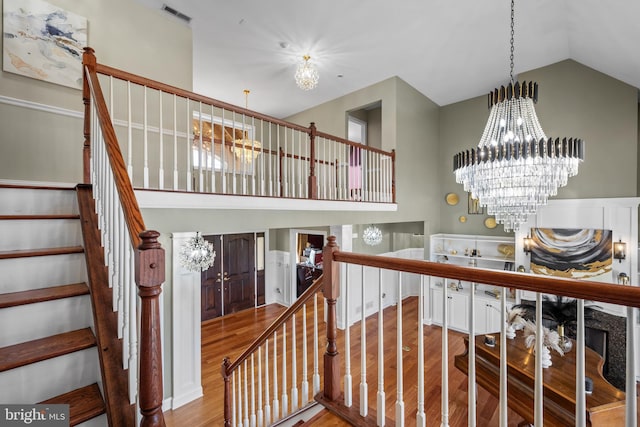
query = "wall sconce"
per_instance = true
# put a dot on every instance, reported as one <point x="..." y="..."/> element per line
<point x="527" y="244"/>
<point x="619" y="250"/>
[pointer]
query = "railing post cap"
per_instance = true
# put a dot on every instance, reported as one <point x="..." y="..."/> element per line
<point x="331" y="241"/>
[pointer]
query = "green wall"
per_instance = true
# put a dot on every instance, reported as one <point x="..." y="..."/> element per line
<point x="574" y="101"/>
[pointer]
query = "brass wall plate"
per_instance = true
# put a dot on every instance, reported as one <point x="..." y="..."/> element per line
<point x="452" y="199"/>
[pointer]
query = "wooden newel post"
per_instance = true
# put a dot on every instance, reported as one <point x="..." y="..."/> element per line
<point x="313" y="187"/>
<point x="149" y="276"/>
<point x="331" y="286"/>
<point x="227" y="392"/>
<point x="89" y="61"/>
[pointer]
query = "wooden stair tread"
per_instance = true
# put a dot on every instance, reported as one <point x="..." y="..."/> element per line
<point x="24" y="253"/>
<point x="50" y="186"/>
<point x="32" y="296"/>
<point x="39" y="216"/>
<point x="22" y="354"/>
<point x="84" y="403"/>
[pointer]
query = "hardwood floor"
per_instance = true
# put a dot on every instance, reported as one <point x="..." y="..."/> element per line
<point x="229" y="335"/>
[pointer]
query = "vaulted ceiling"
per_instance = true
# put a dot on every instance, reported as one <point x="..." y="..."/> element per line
<point x="447" y="50"/>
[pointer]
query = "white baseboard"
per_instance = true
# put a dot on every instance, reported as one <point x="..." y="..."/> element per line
<point x="185" y="398"/>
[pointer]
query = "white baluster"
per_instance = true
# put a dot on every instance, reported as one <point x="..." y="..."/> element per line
<point x="305" y="382"/>
<point x="285" y="396"/>
<point x="538" y="384"/>
<point x="213" y="153"/>
<point x="503" y="358"/>
<point x="581" y="400"/>
<point x="246" y="397"/>
<point x="161" y="143"/>
<point x="240" y="404"/>
<point x="276" y="402"/>
<point x="445" y="358"/>
<point x="631" y="413"/>
<point x="145" y="135"/>
<point x="294" y="368"/>
<point x="399" y="367"/>
<point x="381" y="395"/>
<point x="271" y="176"/>
<point x="471" y="377"/>
<point x="189" y="145"/>
<point x="316" y="374"/>
<point x="252" y="421"/>
<point x="267" y="397"/>
<point x="175" y="144"/>
<point x="233" y="159"/>
<point x="201" y="154"/>
<point x="260" y="414"/>
<point x="233" y="399"/>
<point x="348" y="388"/>
<point x="364" y="388"/>
<point x="129" y="134"/>
<point x="420" y="417"/>
<point x="223" y="155"/>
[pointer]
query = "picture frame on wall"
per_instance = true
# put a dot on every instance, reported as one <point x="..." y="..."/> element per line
<point x="43" y="41"/>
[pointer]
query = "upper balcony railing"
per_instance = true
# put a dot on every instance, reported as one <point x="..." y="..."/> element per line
<point x="176" y="140"/>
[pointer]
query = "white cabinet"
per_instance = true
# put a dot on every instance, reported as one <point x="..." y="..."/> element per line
<point x="457" y="307"/>
<point x="488" y="315"/>
<point x="475" y="251"/>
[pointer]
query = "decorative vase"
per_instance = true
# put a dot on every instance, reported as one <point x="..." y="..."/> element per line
<point x="511" y="332"/>
<point x="564" y="342"/>
<point x="546" y="357"/>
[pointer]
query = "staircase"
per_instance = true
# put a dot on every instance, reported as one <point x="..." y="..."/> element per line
<point x="48" y="348"/>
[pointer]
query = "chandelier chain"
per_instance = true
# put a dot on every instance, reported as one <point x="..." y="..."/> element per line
<point x="512" y="38"/>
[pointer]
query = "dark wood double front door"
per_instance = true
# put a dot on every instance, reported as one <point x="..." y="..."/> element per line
<point x="230" y="284"/>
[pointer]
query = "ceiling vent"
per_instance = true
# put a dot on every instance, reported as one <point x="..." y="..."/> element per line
<point x="176" y="13"/>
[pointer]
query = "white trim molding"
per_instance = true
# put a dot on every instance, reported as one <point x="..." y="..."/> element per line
<point x="16" y="102"/>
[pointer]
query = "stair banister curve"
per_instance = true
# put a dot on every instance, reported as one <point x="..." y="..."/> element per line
<point x="228" y="367"/>
<point x="138" y="258"/>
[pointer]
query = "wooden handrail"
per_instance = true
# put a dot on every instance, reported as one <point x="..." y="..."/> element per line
<point x="153" y="84"/>
<point x="354" y="144"/>
<point x="583" y="289"/>
<point x="286" y="315"/>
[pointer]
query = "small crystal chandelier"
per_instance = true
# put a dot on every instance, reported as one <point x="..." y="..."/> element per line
<point x="306" y="74"/>
<point x="515" y="167"/>
<point x="372" y="235"/>
<point x="196" y="254"/>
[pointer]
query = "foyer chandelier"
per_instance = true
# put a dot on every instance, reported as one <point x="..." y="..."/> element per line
<point x="372" y="235"/>
<point x="515" y="167"/>
<point x="196" y="254"/>
<point x="306" y="74"/>
<point x="246" y="149"/>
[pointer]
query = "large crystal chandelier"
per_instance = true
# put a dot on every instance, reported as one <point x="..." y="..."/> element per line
<point x="372" y="235"/>
<point x="515" y="167"/>
<point x="196" y="254"/>
<point x="306" y="74"/>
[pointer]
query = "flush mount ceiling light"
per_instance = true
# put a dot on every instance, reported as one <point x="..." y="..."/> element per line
<point x="196" y="254"/>
<point x="306" y="74"/>
<point x="515" y="167"/>
<point x="372" y="235"/>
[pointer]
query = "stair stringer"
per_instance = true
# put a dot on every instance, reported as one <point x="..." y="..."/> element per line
<point x="120" y="411"/>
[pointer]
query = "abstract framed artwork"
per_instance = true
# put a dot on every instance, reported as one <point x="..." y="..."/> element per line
<point x="43" y="41"/>
<point x="572" y="253"/>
